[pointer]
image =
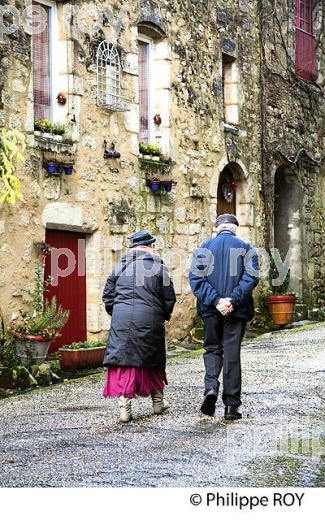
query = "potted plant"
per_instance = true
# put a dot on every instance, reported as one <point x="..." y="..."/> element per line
<point x="34" y="330"/>
<point x="52" y="168"/>
<point x="281" y="305"/>
<point x="68" y="169"/>
<point x="142" y="150"/>
<point x="82" y="355"/>
<point x="155" y="152"/>
<point x="155" y="185"/>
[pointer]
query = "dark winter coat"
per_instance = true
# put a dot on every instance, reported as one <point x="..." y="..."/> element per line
<point x="213" y="277"/>
<point x="139" y="296"/>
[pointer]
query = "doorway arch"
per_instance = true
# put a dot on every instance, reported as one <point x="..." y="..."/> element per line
<point x="226" y="195"/>
<point x="242" y="204"/>
<point x="288" y="222"/>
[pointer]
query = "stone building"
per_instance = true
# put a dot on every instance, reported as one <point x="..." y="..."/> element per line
<point x="219" y="87"/>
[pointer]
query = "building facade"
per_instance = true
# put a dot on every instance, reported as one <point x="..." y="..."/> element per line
<point x="219" y="87"/>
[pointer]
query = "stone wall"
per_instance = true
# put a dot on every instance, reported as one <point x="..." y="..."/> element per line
<point x="294" y="139"/>
<point x="108" y="198"/>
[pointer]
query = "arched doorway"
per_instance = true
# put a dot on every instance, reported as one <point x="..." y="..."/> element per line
<point x="226" y="192"/>
<point x="288" y="223"/>
<point x="241" y="203"/>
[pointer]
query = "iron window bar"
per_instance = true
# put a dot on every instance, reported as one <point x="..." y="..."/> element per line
<point x="109" y="78"/>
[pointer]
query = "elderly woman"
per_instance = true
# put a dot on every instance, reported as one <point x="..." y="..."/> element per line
<point x="139" y="295"/>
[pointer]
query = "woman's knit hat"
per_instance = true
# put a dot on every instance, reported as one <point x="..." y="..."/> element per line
<point x="141" y="238"/>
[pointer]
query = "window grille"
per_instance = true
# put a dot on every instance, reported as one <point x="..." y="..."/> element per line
<point x="109" y="78"/>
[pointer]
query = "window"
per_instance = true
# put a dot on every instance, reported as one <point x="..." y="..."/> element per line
<point x="230" y="79"/>
<point x="306" y="62"/>
<point x="109" y="78"/>
<point x="42" y="68"/>
<point x="144" y="90"/>
<point x="304" y="15"/>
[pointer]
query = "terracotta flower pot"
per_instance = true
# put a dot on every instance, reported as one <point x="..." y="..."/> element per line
<point x="31" y="349"/>
<point x="281" y="308"/>
<point x="74" y="360"/>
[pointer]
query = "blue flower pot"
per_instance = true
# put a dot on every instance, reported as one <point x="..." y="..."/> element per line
<point x="52" y="168"/>
<point x="155" y="186"/>
<point x="168" y="186"/>
<point x="68" y="170"/>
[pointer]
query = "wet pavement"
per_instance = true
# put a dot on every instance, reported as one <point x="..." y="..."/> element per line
<point x="68" y="435"/>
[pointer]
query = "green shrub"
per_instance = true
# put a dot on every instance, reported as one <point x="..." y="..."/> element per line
<point x="278" y="290"/>
<point x="82" y="345"/>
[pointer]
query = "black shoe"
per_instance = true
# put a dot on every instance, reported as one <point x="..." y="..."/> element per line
<point x="231" y="413"/>
<point x="209" y="404"/>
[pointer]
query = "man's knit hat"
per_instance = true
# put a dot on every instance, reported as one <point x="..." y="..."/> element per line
<point x="227" y="218"/>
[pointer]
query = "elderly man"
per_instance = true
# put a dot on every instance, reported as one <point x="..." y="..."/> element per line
<point x="223" y="275"/>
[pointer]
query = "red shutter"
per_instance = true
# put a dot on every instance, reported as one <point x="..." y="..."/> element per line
<point x="143" y="92"/>
<point x="41" y="71"/>
<point x="70" y="291"/>
<point x="306" y="62"/>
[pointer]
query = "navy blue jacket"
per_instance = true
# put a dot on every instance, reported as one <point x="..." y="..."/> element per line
<point x="222" y="267"/>
<point x="139" y="295"/>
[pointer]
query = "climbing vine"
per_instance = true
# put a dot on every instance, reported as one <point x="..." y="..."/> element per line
<point x="12" y="143"/>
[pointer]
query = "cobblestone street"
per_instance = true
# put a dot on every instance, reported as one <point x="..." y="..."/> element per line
<point x="68" y="435"/>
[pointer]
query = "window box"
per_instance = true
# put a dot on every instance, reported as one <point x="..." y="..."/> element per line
<point x="154" y="166"/>
<point x="53" y="143"/>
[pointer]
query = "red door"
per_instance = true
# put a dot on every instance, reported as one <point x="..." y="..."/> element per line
<point x="66" y="265"/>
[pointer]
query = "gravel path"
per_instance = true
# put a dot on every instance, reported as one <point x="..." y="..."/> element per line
<point x="68" y="435"/>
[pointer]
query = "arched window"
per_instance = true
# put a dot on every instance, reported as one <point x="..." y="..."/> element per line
<point x="109" y="78"/>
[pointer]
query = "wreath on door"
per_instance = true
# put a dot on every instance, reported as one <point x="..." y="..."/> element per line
<point x="228" y="190"/>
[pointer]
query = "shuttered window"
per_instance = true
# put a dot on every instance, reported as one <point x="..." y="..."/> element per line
<point x="306" y="61"/>
<point x="41" y="69"/>
<point x="304" y="15"/>
<point x="143" y="91"/>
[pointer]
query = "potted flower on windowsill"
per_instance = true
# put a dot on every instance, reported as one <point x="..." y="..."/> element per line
<point x="82" y="355"/>
<point x="36" y="327"/>
<point x="155" y="152"/>
<point x="280" y="302"/>
<point x="49" y="129"/>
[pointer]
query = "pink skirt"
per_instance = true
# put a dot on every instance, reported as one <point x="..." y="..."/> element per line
<point x="133" y="382"/>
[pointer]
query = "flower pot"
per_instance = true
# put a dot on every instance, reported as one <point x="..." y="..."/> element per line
<point x="52" y="168"/>
<point x="155" y="158"/>
<point x="168" y="186"/>
<point x="147" y="157"/>
<point x="68" y="170"/>
<point x="31" y="350"/>
<point x="281" y="308"/>
<point x="155" y="186"/>
<point x="74" y="360"/>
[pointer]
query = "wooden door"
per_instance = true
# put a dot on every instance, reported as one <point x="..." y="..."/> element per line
<point x="224" y="206"/>
<point x="70" y="290"/>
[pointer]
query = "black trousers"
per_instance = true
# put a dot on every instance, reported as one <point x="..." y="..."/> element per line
<point x="222" y="340"/>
